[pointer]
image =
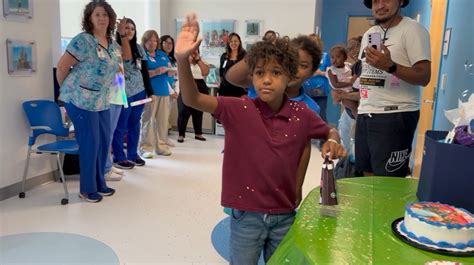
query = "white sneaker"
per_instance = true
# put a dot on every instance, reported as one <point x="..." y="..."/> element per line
<point x="170" y="143"/>
<point x="112" y="176"/>
<point x="117" y="170"/>
<point x="165" y="152"/>
<point x="148" y="155"/>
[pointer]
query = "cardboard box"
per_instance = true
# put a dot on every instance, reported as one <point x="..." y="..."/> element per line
<point x="447" y="172"/>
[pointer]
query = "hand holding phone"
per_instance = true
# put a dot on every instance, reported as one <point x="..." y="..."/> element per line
<point x="375" y="40"/>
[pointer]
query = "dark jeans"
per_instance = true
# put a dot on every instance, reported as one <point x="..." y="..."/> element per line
<point x="128" y="124"/>
<point x="184" y="112"/>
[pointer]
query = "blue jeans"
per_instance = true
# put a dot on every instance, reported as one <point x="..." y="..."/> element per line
<point x="92" y="129"/>
<point x="345" y="127"/>
<point x="114" y="117"/>
<point x="251" y="233"/>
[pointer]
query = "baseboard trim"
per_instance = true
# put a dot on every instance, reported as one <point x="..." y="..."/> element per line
<point x="14" y="189"/>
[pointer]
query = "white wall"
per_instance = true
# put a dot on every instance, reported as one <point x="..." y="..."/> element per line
<point x="288" y="17"/>
<point x="145" y="14"/>
<point x="318" y="17"/>
<point x="14" y="90"/>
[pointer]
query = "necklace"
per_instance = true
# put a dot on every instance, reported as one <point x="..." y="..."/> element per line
<point x="385" y="30"/>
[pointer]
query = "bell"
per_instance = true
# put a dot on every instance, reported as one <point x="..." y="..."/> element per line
<point x="328" y="195"/>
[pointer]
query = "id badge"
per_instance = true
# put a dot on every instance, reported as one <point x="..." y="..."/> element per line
<point x="100" y="52"/>
<point x="139" y="64"/>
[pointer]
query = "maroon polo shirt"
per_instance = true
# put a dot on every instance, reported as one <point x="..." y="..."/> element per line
<point x="262" y="152"/>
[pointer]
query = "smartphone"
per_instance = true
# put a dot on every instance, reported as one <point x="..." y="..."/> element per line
<point x="374" y="40"/>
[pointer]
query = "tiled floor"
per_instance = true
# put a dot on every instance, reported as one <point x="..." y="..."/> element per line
<point x="162" y="213"/>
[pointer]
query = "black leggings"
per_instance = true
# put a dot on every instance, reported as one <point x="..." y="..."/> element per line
<point x="184" y="111"/>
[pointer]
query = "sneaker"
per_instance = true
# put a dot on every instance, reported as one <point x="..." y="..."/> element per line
<point x="117" y="170"/>
<point x="170" y="144"/>
<point x="124" y="164"/>
<point x="106" y="192"/>
<point x="148" y="155"/>
<point x="90" y="197"/>
<point x="200" y="138"/>
<point x="180" y="139"/>
<point x="164" y="153"/>
<point x="138" y="162"/>
<point x="112" y="176"/>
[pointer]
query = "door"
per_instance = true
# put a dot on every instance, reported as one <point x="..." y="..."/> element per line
<point x="358" y="25"/>
<point x="438" y="18"/>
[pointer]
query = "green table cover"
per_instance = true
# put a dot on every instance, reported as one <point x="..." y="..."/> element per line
<point x="358" y="230"/>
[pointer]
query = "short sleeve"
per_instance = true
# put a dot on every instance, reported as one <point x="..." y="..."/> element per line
<point x="142" y="53"/>
<point x="318" y="129"/>
<point x="79" y="47"/>
<point x="227" y="108"/>
<point x="417" y="43"/>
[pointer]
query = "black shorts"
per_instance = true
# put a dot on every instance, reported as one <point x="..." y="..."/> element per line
<point x="383" y="142"/>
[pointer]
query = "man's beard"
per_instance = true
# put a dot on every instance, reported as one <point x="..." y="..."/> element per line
<point x="381" y="21"/>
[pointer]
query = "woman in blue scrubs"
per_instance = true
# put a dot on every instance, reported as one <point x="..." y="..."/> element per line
<point x="85" y="72"/>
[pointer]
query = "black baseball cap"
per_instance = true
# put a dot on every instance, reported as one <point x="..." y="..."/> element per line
<point x="368" y="3"/>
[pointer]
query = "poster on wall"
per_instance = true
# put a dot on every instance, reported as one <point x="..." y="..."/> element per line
<point x="253" y="28"/>
<point x="215" y="34"/>
<point x="21" y="56"/>
<point x="18" y="10"/>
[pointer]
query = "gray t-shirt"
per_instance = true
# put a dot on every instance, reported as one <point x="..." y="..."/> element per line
<point x="381" y="92"/>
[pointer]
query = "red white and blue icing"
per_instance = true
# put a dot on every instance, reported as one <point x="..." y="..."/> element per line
<point x="440" y="215"/>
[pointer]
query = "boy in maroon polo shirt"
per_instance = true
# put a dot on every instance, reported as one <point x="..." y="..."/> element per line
<point x="264" y="141"/>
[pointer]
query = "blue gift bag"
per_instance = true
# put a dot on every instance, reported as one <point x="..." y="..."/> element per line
<point x="447" y="172"/>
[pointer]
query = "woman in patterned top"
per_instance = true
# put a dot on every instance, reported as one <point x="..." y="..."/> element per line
<point x="129" y="121"/>
<point x="85" y="72"/>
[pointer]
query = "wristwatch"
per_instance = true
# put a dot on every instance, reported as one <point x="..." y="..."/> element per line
<point x="392" y="69"/>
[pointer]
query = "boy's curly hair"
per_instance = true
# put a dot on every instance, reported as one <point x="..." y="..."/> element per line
<point x="281" y="51"/>
<point x="306" y="44"/>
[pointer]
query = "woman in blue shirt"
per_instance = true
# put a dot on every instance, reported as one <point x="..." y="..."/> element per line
<point x="85" y="73"/>
<point x="317" y="87"/>
<point x="157" y="114"/>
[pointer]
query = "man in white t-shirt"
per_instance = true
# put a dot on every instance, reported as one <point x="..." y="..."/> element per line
<point x="390" y="90"/>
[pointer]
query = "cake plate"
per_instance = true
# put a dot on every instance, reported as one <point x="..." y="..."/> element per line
<point x="396" y="229"/>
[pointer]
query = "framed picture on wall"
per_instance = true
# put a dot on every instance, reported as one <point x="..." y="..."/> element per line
<point x="248" y="45"/>
<point x="20" y="10"/>
<point x="253" y="28"/>
<point x="215" y="34"/>
<point x="21" y="56"/>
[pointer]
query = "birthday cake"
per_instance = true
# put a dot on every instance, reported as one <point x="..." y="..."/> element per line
<point x="439" y="225"/>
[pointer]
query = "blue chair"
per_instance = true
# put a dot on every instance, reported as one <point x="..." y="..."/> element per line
<point x="44" y="117"/>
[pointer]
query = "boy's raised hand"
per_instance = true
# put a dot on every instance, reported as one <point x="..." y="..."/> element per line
<point x="188" y="40"/>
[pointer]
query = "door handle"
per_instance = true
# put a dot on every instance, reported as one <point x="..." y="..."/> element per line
<point x="428" y="101"/>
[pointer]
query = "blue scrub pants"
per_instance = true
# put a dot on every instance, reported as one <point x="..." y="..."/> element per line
<point x="92" y="129"/>
<point x="129" y="123"/>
